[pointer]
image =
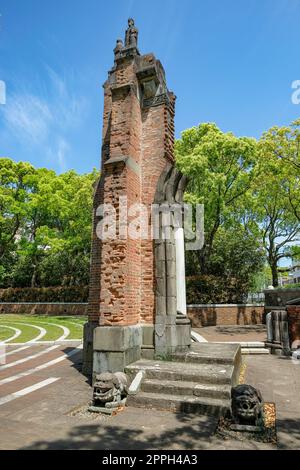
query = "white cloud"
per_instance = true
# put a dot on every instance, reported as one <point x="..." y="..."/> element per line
<point x="44" y="121"/>
<point x="27" y="117"/>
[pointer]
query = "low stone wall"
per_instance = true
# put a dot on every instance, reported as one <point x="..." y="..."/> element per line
<point x="200" y="315"/>
<point x="225" y="314"/>
<point x="280" y="297"/>
<point x="44" y="308"/>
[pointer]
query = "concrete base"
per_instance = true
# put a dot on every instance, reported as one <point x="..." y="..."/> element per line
<point x="88" y="334"/>
<point x="112" y="348"/>
<point x="172" y="334"/>
<point x="183" y="328"/>
<point x="148" y="341"/>
<point x="115" y="347"/>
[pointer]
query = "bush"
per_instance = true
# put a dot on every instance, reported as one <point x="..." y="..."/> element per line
<point x="45" y="294"/>
<point x="291" y="286"/>
<point x="210" y="289"/>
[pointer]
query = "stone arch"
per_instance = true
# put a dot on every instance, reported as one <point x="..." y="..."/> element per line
<point x="172" y="329"/>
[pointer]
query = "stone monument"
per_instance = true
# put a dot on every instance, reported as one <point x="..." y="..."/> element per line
<point x="134" y="307"/>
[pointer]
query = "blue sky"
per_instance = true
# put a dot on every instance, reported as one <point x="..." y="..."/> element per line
<point x="228" y="61"/>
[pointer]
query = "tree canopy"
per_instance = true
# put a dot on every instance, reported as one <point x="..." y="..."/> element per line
<point x="45" y="225"/>
<point x="251" y="194"/>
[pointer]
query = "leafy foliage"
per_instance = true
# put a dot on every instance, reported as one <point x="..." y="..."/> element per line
<point x="251" y="194"/>
<point x="45" y="226"/>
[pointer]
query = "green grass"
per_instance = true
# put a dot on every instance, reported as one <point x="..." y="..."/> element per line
<point x="5" y="333"/>
<point x="28" y="332"/>
<point x="74" y="324"/>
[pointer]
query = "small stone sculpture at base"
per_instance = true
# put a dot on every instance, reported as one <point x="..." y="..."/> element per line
<point x="110" y="391"/>
<point x="246" y="406"/>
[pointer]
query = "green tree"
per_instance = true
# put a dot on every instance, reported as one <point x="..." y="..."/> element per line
<point x="222" y="169"/>
<point x="276" y="197"/>
<point x="45" y="223"/>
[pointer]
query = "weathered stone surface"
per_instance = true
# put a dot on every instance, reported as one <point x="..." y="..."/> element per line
<point x="246" y="405"/>
<point x="117" y="338"/>
<point x="278" y="338"/>
<point x="110" y="389"/>
<point x="113" y="361"/>
<point x="148" y="335"/>
<point x="177" y="385"/>
<point x="88" y="334"/>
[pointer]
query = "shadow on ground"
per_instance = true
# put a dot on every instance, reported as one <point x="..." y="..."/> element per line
<point x="288" y="430"/>
<point x="190" y="433"/>
<point x="106" y="435"/>
<point x="243" y="329"/>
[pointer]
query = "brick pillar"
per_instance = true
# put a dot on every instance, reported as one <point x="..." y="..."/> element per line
<point x="138" y="138"/>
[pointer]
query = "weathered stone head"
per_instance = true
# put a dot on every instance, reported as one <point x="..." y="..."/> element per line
<point x="246" y="404"/>
<point x="109" y="387"/>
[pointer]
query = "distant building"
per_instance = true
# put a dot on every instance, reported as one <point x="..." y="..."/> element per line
<point x="295" y="272"/>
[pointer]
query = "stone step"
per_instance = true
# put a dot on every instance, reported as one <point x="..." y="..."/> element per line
<point x="187" y="372"/>
<point x="176" y="387"/>
<point x="255" y="351"/>
<point x="210" y="353"/>
<point x="182" y="404"/>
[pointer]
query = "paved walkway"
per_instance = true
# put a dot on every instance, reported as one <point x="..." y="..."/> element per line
<point x="38" y="394"/>
<point x="238" y="333"/>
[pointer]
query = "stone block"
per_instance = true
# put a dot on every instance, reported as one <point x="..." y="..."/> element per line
<point x="117" y="338"/>
<point x="165" y="320"/>
<point x="88" y="332"/>
<point x="112" y="361"/>
<point x="148" y="335"/>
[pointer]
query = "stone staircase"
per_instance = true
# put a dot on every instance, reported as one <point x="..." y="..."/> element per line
<point x="199" y="381"/>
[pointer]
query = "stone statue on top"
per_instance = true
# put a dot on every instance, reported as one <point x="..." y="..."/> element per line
<point x="131" y="35"/>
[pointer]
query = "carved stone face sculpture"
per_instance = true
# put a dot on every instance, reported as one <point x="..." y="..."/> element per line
<point x="109" y="389"/>
<point x="246" y="403"/>
<point x="104" y="388"/>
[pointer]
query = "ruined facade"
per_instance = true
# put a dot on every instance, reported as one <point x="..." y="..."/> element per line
<point x="137" y="148"/>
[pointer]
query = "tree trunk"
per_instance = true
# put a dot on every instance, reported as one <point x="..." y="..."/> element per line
<point x="273" y="265"/>
<point x="33" y="277"/>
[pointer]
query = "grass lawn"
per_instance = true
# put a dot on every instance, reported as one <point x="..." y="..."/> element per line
<point x="5" y="333"/>
<point x="49" y="323"/>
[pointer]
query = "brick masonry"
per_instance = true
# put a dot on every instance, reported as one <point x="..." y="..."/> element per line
<point x="294" y="322"/>
<point x="227" y="314"/>
<point x="137" y="143"/>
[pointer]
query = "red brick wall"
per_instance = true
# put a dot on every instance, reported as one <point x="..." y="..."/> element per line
<point x="294" y="322"/>
<point x="235" y="314"/>
<point x="155" y="148"/>
<point x="122" y="271"/>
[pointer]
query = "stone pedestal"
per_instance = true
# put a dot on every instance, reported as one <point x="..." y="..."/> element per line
<point x="115" y="347"/>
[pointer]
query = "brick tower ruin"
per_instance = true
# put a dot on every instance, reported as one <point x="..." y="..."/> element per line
<point x="132" y="297"/>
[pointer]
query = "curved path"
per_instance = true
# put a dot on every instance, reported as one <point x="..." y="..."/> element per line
<point x="14" y="336"/>
<point x="66" y="330"/>
<point x="43" y="331"/>
<point x="41" y="334"/>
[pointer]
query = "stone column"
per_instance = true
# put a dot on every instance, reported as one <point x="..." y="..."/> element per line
<point x="180" y="271"/>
